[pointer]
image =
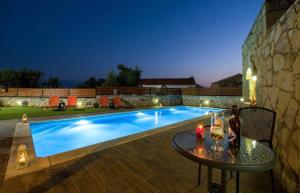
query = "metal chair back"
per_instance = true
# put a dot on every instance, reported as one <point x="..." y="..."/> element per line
<point x="258" y="123"/>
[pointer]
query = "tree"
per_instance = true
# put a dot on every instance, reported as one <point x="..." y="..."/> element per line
<point x="30" y="78"/>
<point x="52" y="82"/>
<point x="92" y="82"/>
<point x="126" y="77"/>
<point x="23" y="78"/>
<point x="111" y="79"/>
<point x="9" y="78"/>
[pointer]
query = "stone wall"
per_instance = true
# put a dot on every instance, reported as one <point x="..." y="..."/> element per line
<point x="136" y="100"/>
<point x="214" y="101"/>
<point x="150" y="100"/>
<point x="39" y="101"/>
<point x="275" y="53"/>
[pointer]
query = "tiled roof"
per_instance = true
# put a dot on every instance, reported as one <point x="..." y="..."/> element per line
<point x="235" y="80"/>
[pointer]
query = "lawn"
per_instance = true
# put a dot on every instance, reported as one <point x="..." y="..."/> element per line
<point x="17" y="112"/>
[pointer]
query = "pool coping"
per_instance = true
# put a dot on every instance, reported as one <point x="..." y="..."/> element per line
<point x="22" y="135"/>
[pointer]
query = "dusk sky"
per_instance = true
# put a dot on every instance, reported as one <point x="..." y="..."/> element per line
<point x="166" y="38"/>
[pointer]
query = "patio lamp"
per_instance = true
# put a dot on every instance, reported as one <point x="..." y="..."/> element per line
<point x="22" y="157"/>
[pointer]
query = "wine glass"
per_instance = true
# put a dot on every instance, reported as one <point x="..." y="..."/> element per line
<point x="217" y="135"/>
<point x="217" y="132"/>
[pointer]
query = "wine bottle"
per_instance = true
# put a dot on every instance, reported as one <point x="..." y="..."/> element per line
<point x="235" y="126"/>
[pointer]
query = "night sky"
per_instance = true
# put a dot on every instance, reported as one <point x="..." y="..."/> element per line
<point x="165" y="38"/>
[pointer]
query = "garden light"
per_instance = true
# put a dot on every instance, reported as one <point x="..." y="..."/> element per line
<point x="206" y="102"/>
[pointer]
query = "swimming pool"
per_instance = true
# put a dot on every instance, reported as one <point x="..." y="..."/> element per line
<point x="57" y="136"/>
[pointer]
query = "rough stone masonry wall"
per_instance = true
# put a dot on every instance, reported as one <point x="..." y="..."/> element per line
<point x="275" y="53"/>
<point x="214" y="101"/>
<point x="136" y="100"/>
<point x="39" y="101"/>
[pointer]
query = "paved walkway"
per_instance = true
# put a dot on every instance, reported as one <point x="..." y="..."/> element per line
<point x="6" y="133"/>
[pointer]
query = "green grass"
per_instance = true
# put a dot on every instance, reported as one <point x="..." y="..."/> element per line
<point x="17" y="112"/>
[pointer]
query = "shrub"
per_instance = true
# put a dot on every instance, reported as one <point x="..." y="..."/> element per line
<point x="96" y="105"/>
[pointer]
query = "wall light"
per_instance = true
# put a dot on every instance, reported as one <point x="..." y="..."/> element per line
<point x="140" y="114"/>
<point x="80" y="105"/>
<point x="155" y="101"/>
<point x="19" y="103"/>
<point x="82" y="122"/>
<point x="254" y="143"/>
<point x="242" y="99"/>
<point x="206" y="102"/>
<point x="254" y="78"/>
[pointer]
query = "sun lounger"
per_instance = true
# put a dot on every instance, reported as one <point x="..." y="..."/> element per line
<point x="103" y="101"/>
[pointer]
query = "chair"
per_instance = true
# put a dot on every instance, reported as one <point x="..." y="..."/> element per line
<point x="72" y="101"/>
<point x="258" y="123"/>
<point x="103" y="101"/>
<point x="117" y="102"/>
<point x="53" y="102"/>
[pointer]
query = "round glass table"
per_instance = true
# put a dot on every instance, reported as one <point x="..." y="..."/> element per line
<point x="251" y="156"/>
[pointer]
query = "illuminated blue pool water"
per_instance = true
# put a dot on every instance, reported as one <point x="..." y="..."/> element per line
<point x="57" y="136"/>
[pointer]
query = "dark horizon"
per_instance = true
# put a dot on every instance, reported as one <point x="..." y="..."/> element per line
<point x="166" y="39"/>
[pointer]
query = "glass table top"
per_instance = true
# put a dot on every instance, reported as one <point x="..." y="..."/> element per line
<point x="250" y="156"/>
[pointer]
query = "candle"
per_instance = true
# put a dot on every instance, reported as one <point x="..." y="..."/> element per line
<point x="22" y="157"/>
<point x="24" y="118"/>
<point x="200" y="131"/>
<point x="199" y="151"/>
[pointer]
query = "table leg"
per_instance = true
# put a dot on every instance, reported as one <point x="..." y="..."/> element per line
<point x="237" y="182"/>
<point x="224" y="181"/>
<point x="209" y="179"/>
<point x="199" y="174"/>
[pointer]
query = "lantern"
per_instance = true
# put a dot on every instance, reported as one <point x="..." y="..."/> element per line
<point x="24" y="118"/>
<point x="22" y="157"/>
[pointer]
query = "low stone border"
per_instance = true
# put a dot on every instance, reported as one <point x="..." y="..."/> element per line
<point x="23" y="135"/>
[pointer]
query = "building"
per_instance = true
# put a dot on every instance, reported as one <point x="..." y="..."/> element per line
<point x="168" y="82"/>
<point x="271" y="75"/>
<point x="232" y="81"/>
